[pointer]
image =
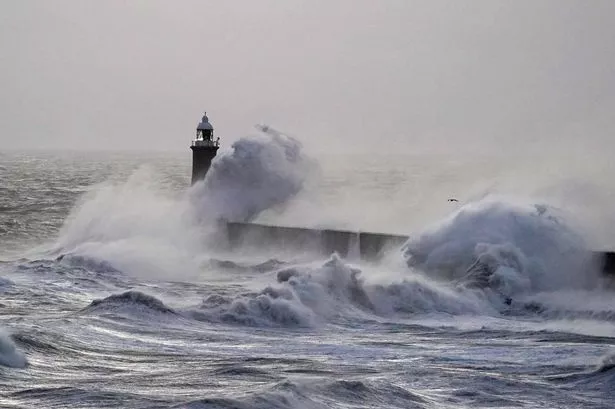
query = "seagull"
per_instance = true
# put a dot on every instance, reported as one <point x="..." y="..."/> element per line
<point x="452" y="199"/>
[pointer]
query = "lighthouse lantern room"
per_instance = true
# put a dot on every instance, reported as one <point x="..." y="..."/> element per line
<point x="204" y="149"/>
<point x="205" y="133"/>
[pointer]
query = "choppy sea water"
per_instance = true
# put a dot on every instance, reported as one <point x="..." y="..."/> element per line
<point x="115" y="293"/>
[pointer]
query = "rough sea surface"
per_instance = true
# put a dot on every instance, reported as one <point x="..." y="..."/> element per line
<point x="116" y="291"/>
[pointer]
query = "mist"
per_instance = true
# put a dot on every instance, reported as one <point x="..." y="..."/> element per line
<point x="343" y="76"/>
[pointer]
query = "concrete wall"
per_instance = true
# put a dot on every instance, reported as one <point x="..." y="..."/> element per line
<point x="346" y="243"/>
<point x="364" y="245"/>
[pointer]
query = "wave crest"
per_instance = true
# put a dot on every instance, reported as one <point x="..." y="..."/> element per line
<point x="278" y="307"/>
<point x="129" y="301"/>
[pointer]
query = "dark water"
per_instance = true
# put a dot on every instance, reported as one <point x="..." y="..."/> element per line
<point x="113" y="295"/>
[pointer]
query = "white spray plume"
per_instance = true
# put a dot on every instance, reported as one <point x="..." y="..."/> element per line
<point x="258" y="172"/>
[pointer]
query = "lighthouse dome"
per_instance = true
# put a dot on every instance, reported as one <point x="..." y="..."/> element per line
<point x="204" y="124"/>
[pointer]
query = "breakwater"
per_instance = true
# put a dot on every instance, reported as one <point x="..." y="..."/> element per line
<point x="347" y="243"/>
<point x="365" y="245"/>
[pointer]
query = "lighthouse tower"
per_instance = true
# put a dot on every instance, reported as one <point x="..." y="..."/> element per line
<point x="204" y="149"/>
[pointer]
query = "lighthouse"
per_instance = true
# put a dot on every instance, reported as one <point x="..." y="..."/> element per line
<point x="204" y="149"/>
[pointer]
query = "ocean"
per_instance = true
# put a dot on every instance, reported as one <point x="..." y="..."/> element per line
<point x="116" y="289"/>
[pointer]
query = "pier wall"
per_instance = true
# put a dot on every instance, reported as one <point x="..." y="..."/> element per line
<point x="347" y="243"/>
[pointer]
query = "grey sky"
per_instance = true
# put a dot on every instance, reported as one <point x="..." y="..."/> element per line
<point x="391" y="76"/>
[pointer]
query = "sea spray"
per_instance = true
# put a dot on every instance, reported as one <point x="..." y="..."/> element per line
<point x="134" y="227"/>
<point x="139" y="228"/>
<point x="256" y="174"/>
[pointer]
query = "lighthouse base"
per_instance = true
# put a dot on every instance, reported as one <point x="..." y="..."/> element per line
<point x="201" y="161"/>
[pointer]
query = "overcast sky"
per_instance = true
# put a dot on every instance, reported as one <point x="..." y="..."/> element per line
<point x="392" y="76"/>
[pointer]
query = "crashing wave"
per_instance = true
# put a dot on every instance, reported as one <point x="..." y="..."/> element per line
<point x="311" y="294"/>
<point x="9" y="354"/>
<point x="270" y="307"/>
<point x="338" y="287"/>
<point x="511" y="248"/>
